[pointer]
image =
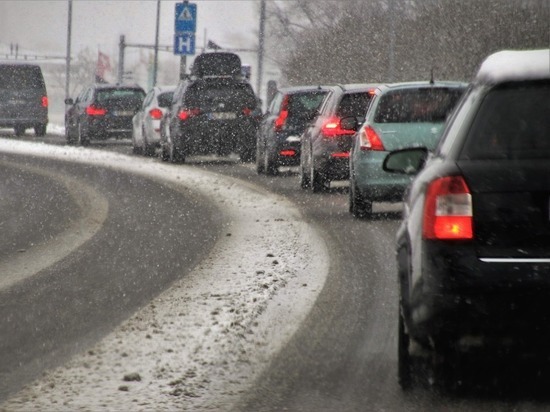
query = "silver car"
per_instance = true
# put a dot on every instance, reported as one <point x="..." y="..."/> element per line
<point x="146" y="122"/>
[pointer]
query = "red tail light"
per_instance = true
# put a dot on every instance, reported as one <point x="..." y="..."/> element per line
<point x="332" y="127"/>
<point x="247" y="111"/>
<point x="185" y="114"/>
<point x="155" y="114"/>
<point x="281" y="120"/>
<point x="95" y="111"/>
<point x="370" y="140"/>
<point x="448" y="210"/>
<point x="287" y="153"/>
<point x="44" y="101"/>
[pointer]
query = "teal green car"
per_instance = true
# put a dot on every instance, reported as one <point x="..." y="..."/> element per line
<point x="400" y="115"/>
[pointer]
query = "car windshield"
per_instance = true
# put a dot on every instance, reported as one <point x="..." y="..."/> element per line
<point x="416" y="105"/>
<point x="513" y="122"/>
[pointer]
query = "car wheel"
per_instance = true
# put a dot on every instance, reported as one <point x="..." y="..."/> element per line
<point x="68" y="136"/>
<point x="135" y="148"/>
<point x="259" y="160"/>
<point x="174" y="155"/>
<point x="83" y="139"/>
<point x="317" y="181"/>
<point x="358" y="205"/>
<point x="404" y="364"/>
<point x="40" y="130"/>
<point x="271" y="167"/>
<point x="304" y="178"/>
<point x="247" y="154"/>
<point x="19" y="130"/>
<point x="164" y="155"/>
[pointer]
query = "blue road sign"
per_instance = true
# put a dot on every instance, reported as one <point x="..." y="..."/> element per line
<point x="185" y="17"/>
<point x="184" y="44"/>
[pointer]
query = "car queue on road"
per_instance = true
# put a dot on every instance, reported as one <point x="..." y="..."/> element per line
<point x="472" y="250"/>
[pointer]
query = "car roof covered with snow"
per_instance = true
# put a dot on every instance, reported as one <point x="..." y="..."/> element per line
<point x="514" y="65"/>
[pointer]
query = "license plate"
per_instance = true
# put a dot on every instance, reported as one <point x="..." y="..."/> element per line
<point x="222" y="116"/>
<point x="123" y="113"/>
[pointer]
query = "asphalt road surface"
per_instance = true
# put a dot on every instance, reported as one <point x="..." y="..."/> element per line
<point x="343" y="357"/>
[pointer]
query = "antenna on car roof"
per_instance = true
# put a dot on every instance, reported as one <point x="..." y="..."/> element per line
<point x="432" y="76"/>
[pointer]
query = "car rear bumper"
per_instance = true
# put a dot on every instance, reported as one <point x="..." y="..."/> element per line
<point x="459" y="294"/>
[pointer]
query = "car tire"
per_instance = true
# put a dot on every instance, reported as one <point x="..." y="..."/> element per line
<point x="174" y="155"/>
<point x="259" y="160"/>
<point x="40" y="130"/>
<point x="68" y="137"/>
<point x="359" y="207"/>
<point x="246" y="154"/>
<point x="83" y="139"/>
<point x="271" y="167"/>
<point x="304" y="177"/>
<point x="404" y="363"/>
<point x="317" y="181"/>
<point x="19" y="130"/>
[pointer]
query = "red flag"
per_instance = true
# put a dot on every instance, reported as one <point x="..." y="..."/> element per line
<point x="103" y="65"/>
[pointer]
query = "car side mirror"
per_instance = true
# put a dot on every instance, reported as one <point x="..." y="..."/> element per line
<point x="406" y="161"/>
<point x="69" y="101"/>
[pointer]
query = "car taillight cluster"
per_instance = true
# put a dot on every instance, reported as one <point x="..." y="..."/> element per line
<point x="369" y="139"/>
<point x="281" y="120"/>
<point x="155" y="114"/>
<point x="92" y="110"/>
<point x="185" y="114"/>
<point x="448" y="212"/>
<point x="247" y="111"/>
<point x="332" y="127"/>
<point x="44" y="101"/>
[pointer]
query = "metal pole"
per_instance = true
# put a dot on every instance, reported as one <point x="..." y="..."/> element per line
<point x="68" y="56"/>
<point x="261" y="47"/>
<point x="183" y="63"/>
<point x="156" y="62"/>
<point x="121" y="46"/>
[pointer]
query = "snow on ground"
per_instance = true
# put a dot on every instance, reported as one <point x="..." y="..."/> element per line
<point x="200" y="344"/>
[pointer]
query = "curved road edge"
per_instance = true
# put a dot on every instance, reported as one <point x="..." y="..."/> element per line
<point x="200" y="344"/>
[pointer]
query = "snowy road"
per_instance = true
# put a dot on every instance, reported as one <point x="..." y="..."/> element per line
<point x="200" y="344"/>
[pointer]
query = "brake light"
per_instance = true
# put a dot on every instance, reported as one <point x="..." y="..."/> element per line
<point x="44" y="101"/>
<point x="287" y="153"/>
<point x="247" y="111"/>
<point x="332" y="127"/>
<point x="370" y="140"/>
<point x="155" y="114"/>
<point x="92" y="110"/>
<point x="185" y="114"/>
<point x="448" y="212"/>
<point x="281" y="120"/>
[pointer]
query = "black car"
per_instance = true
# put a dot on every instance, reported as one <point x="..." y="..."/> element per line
<point x="473" y="251"/>
<point x="290" y="111"/>
<point x="214" y="111"/>
<point x="326" y="143"/>
<point x="102" y="111"/>
<point x="23" y="98"/>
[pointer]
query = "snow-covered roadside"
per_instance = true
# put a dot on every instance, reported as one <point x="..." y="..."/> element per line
<point x="201" y="343"/>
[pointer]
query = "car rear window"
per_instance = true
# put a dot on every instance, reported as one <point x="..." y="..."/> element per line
<point x="417" y="105"/>
<point x="305" y="104"/>
<point x="17" y="77"/>
<point x="513" y="122"/>
<point x="220" y="96"/>
<point x="165" y="99"/>
<point x="354" y="104"/>
<point x="131" y="97"/>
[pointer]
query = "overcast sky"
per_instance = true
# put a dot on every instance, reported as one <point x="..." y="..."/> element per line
<point x="41" y="25"/>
